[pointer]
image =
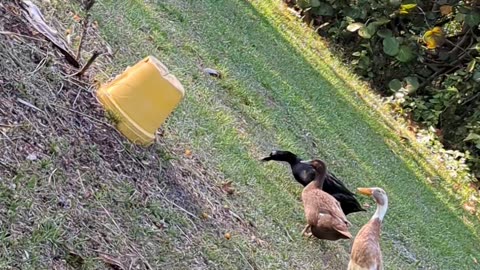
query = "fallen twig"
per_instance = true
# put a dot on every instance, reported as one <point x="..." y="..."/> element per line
<point x="111" y="261"/>
<point x="84" y="32"/>
<point x="19" y="35"/>
<point x="181" y="208"/>
<point x="87" y="65"/>
<point x="28" y="104"/>
<point x="87" y="5"/>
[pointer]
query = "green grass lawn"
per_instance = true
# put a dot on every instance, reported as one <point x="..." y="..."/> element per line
<point x="280" y="90"/>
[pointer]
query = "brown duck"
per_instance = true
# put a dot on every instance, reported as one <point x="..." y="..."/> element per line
<point x="323" y="213"/>
<point x="366" y="252"/>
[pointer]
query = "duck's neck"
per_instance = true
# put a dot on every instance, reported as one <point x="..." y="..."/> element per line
<point x="292" y="160"/>
<point x="285" y="156"/>
<point x="381" y="209"/>
<point x="320" y="178"/>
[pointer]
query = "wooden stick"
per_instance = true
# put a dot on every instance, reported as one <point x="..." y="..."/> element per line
<point x="87" y="65"/>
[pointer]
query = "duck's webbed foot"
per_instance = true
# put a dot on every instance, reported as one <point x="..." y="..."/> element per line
<point x="304" y="232"/>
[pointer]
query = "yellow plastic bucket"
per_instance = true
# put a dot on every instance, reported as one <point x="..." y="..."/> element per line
<point x="141" y="99"/>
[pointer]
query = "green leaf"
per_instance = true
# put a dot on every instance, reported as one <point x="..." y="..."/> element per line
<point x="384" y="33"/>
<point x="472" y="137"/>
<point x="431" y="15"/>
<point x="406" y="8"/>
<point x="477" y="47"/>
<point x="314" y="3"/>
<point x="324" y="9"/>
<point x="405" y="54"/>
<point x="367" y="32"/>
<point x="395" y="2"/>
<point x="391" y="46"/>
<point x="355" y="26"/>
<point x="381" y="21"/>
<point x="460" y="17"/>
<point x="476" y="76"/>
<point x="471" y="65"/>
<point x="463" y="9"/>
<point x="412" y="84"/>
<point x="372" y="28"/>
<point x="303" y="4"/>
<point x="472" y="19"/>
<point x="395" y="85"/>
<point x="363" y="32"/>
<point x="353" y="13"/>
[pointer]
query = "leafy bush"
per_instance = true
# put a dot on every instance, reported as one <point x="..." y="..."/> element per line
<point x="423" y="56"/>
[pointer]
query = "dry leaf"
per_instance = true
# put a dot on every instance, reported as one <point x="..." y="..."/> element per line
<point x="205" y="215"/>
<point x="188" y="153"/>
<point x="475" y="260"/>
<point x="429" y="180"/>
<point x="446" y="9"/>
<point x="468" y="207"/>
<point x="228" y="188"/>
<point x="77" y="18"/>
<point x="228" y="236"/>
<point x="258" y="241"/>
<point x="35" y="17"/>
<point x="434" y="38"/>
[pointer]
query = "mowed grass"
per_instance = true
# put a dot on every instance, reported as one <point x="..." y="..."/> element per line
<point x="275" y="94"/>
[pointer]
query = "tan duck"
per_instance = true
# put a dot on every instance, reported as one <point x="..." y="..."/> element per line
<point x="366" y="253"/>
<point x="323" y="213"/>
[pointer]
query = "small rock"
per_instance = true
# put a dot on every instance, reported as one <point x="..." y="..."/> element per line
<point x="12" y="186"/>
<point x="32" y="157"/>
<point x="212" y="72"/>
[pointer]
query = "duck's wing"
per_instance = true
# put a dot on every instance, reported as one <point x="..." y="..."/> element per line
<point x="333" y="185"/>
<point x="337" y="222"/>
<point x="348" y="203"/>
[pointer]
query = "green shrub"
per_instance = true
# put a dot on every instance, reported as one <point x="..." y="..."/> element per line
<point x="423" y="55"/>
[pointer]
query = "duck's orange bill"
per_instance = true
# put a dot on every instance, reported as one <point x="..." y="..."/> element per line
<point x="365" y="191"/>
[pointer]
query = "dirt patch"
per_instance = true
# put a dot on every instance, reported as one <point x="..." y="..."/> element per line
<point x="73" y="192"/>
